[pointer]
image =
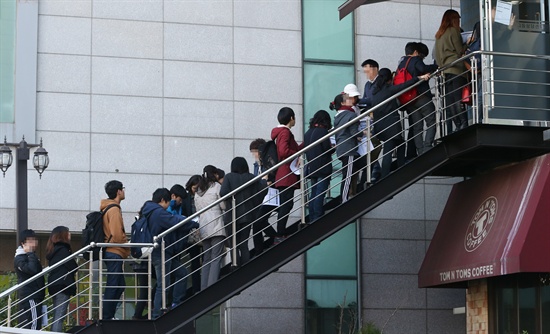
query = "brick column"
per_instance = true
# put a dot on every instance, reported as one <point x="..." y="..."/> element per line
<point x="477" y="319"/>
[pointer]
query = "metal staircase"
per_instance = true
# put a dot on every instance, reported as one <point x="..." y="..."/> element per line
<point x="471" y="151"/>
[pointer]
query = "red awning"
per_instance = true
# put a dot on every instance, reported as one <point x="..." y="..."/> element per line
<point x="492" y="225"/>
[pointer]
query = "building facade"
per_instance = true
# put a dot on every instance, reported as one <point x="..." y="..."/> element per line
<point x="149" y="92"/>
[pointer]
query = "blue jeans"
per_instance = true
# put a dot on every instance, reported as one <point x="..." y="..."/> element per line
<point x="60" y="305"/>
<point x="115" y="284"/>
<point x="319" y="186"/>
<point x="179" y="289"/>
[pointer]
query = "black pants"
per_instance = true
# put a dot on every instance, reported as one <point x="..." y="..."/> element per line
<point x="286" y="199"/>
<point x="453" y="101"/>
<point x="31" y="314"/>
<point x="194" y="253"/>
<point x="142" y="281"/>
<point x="349" y="179"/>
<point x="261" y="226"/>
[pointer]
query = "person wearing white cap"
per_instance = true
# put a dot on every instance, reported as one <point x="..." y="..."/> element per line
<point x="346" y="142"/>
<point x="362" y="149"/>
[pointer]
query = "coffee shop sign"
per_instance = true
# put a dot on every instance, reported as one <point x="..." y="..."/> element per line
<point x="467" y="273"/>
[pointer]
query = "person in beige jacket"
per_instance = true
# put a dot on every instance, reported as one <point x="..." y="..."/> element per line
<point x="113" y="227"/>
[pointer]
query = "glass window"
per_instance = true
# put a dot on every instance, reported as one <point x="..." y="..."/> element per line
<point x="335" y="256"/>
<point x="506" y="310"/>
<point x="322" y="82"/>
<point x="325" y="36"/>
<point x="331" y="306"/>
<point x="545" y="312"/>
<point x="522" y="304"/>
<point x="7" y="60"/>
<point x="527" y="301"/>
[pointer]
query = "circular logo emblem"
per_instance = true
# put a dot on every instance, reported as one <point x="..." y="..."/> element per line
<point x="481" y="224"/>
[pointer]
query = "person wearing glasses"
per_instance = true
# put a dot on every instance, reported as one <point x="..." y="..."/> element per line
<point x="113" y="227"/>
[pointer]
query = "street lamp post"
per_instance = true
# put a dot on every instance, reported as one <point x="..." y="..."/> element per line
<point x="40" y="162"/>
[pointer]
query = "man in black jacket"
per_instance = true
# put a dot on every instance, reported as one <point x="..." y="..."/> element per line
<point x="27" y="265"/>
<point x="420" y="110"/>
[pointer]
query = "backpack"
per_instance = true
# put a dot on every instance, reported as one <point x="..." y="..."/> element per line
<point x="93" y="232"/>
<point x="402" y="76"/>
<point x="141" y="233"/>
<point x="269" y="158"/>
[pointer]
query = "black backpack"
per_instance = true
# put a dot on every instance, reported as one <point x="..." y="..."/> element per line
<point x="93" y="232"/>
<point x="269" y="158"/>
<point x="141" y="233"/>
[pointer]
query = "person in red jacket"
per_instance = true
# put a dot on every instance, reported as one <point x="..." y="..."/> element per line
<point x="285" y="180"/>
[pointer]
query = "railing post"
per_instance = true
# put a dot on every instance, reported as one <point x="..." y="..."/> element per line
<point x="369" y="143"/>
<point x="149" y="283"/>
<point x="100" y="282"/>
<point x="487" y="86"/>
<point x="234" y="231"/>
<point x="123" y="303"/>
<point x="163" y="271"/>
<point x="9" y="312"/>
<point x="303" y="191"/>
<point x="439" y="97"/>
<point x="475" y="97"/>
<point x="91" y="287"/>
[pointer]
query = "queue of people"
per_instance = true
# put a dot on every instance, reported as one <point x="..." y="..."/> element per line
<point x="379" y="127"/>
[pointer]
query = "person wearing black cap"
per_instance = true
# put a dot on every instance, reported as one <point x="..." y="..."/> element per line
<point x="27" y="265"/>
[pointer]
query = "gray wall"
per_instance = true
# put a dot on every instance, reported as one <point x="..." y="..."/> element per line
<point x="148" y="92"/>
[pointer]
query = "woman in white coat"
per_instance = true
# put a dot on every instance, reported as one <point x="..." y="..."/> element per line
<point x="212" y="227"/>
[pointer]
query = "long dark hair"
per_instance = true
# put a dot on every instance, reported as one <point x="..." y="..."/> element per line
<point x="383" y="79"/>
<point x="451" y="18"/>
<point x="59" y="234"/>
<point x="208" y="177"/>
<point x="336" y="104"/>
<point x="193" y="181"/>
<point x="320" y="119"/>
<point x="239" y="166"/>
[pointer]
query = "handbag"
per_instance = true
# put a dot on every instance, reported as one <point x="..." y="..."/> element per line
<point x="194" y="237"/>
<point x="467" y="95"/>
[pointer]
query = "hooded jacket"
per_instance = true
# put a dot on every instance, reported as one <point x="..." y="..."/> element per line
<point x="26" y="266"/>
<point x="286" y="146"/>
<point x="346" y="139"/>
<point x="64" y="276"/>
<point x="113" y="227"/>
<point x="211" y="221"/>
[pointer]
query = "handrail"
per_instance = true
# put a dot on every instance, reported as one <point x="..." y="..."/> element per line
<point x="287" y="160"/>
<point x="44" y="271"/>
<point x="74" y="255"/>
<point x="355" y="120"/>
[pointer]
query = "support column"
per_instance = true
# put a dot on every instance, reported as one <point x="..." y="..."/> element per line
<point x="21" y="189"/>
<point x="477" y="310"/>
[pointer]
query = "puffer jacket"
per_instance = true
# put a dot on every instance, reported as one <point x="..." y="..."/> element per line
<point x="26" y="266"/>
<point x="210" y="221"/>
<point x="160" y="220"/>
